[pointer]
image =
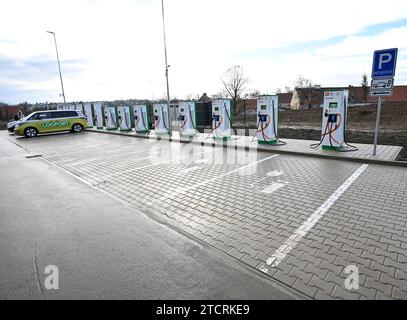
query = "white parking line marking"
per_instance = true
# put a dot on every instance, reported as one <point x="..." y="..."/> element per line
<point x="293" y="240"/>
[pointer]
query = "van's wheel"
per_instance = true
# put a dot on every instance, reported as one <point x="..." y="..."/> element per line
<point x="30" y="132"/>
<point x="77" y="127"/>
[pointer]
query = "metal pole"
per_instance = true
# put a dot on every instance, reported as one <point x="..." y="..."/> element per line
<point x="59" y="66"/>
<point x="376" y="132"/>
<point x="166" y="74"/>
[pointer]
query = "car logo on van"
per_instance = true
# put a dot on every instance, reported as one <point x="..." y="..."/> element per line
<point x="55" y="124"/>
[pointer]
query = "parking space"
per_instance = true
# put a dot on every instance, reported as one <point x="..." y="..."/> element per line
<point x="313" y="216"/>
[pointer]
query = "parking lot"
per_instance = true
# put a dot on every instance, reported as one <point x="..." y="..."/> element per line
<point x="299" y="220"/>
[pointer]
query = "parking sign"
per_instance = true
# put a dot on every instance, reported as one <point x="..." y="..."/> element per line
<point x="384" y="63"/>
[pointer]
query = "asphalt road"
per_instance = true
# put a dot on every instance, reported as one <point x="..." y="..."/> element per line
<point x="103" y="248"/>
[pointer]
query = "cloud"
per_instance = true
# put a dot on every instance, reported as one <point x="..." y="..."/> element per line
<point x="114" y="49"/>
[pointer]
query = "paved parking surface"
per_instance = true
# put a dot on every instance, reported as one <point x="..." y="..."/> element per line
<point x="300" y="220"/>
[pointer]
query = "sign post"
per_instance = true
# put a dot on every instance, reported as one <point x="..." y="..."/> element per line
<point x="383" y="72"/>
<point x="376" y="131"/>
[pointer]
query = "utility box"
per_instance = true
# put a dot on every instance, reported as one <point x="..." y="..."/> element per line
<point x="187" y="118"/>
<point x="141" y="118"/>
<point x="221" y="119"/>
<point x="124" y="117"/>
<point x="111" y="119"/>
<point x="267" y="119"/>
<point x="88" y="114"/>
<point x="203" y="114"/>
<point x="98" y="115"/>
<point x="160" y="114"/>
<point x="334" y="119"/>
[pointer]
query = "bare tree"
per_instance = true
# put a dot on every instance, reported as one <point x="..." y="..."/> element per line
<point x="234" y="83"/>
<point x="302" y="82"/>
<point x="365" y="87"/>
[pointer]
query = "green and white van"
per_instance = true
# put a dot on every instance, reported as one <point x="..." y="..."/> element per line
<point x="50" y="121"/>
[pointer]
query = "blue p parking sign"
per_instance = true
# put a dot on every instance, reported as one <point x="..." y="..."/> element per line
<point x="384" y="63"/>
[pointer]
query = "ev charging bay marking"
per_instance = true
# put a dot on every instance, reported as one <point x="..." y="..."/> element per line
<point x="104" y="158"/>
<point x="278" y="256"/>
<point x="183" y="190"/>
<point x="150" y="165"/>
<point x="274" y="186"/>
<point x="273" y="173"/>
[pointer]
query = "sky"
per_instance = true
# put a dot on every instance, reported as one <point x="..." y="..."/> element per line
<point x="113" y="49"/>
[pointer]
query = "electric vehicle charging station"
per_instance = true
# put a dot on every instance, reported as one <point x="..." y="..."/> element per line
<point x="124" y="117"/>
<point x="141" y="121"/>
<point x="333" y="119"/>
<point x="79" y="108"/>
<point x="267" y="120"/>
<point x="221" y="119"/>
<point x="333" y="135"/>
<point x="111" y="118"/>
<point x="88" y="114"/>
<point x="187" y="118"/>
<point x="98" y="115"/>
<point x="160" y="113"/>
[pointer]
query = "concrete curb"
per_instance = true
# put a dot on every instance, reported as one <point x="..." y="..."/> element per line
<point x="258" y="148"/>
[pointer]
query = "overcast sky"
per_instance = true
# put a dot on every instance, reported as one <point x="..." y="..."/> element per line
<point x="114" y="49"/>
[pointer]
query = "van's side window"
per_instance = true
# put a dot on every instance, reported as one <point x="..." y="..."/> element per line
<point x="64" y="114"/>
<point x="72" y="113"/>
<point x="41" y="116"/>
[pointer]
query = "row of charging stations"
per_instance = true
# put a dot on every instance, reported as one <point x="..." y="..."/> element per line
<point x="333" y="134"/>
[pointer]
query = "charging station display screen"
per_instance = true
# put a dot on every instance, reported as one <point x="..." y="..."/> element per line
<point x="263" y="107"/>
<point x="333" y="104"/>
<point x="216" y="108"/>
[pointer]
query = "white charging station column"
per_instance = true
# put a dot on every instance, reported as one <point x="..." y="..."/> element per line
<point x="141" y="122"/>
<point x="79" y="108"/>
<point x="187" y="118"/>
<point x="111" y="118"/>
<point x="98" y="115"/>
<point x="221" y="119"/>
<point x="160" y="114"/>
<point x="88" y="114"/>
<point x="124" y="118"/>
<point x="267" y="119"/>
<point x="334" y="119"/>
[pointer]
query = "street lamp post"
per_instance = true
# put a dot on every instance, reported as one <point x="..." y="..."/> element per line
<point x="166" y="74"/>
<point x="59" y="66"/>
